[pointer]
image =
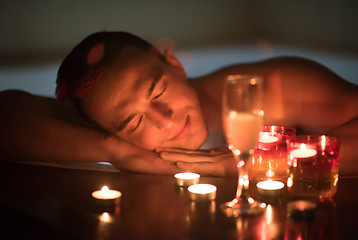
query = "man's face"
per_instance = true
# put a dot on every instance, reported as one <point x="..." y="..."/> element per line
<point x="147" y="102"/>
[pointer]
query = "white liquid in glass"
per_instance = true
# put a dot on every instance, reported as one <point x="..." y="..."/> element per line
<point x="242" y="130"/>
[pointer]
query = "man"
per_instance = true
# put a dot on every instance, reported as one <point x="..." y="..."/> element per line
<point x="134" y="107"/>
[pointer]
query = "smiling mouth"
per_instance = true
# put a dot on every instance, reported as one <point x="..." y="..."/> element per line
<point x="183" y="131"/>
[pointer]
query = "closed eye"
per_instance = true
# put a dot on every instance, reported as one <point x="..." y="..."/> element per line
<point x="139" y="121"/>
<point x="161" y="93"/>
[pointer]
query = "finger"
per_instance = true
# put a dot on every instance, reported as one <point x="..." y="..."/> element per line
<point x="180" y="150"/>
<point x="209" y="153"/>
<point x="175" y="157"/>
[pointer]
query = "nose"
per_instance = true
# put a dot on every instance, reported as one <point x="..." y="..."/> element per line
<point x="162" y="115"/>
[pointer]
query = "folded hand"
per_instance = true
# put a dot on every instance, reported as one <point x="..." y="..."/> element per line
<point x="216" y="162"/>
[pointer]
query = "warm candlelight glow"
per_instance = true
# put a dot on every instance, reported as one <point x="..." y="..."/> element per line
<point x="323" y="142"/>
<point x="186" y="178"/>
<point x="303" y="152"/>
<point x="105" y="189"/>
<point x="202" y="191"/>
<point x="270" y="173"/>
<point x="105" y="217"/>
<point x="186" y="175"/>
<point x="202" y="188"/>
<point x="266" y="137"/>
<point x="106" y="193"/>
<point x="270" y="185"/>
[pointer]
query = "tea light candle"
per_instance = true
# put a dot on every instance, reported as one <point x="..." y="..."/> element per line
<point x="200" y="192"/>
<point x="267" y="141"/>
<point x="186" y="179"/>
<point x="107" y="200"/>
<point x="303" y="152"/>
<point x="265" y="137"/>
<point x="270" y="187"/>
<point x="106" y="194"/>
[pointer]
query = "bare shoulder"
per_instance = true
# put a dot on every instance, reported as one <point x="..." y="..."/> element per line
<point x="293" y="73"/>
<point x="294" y="88"/>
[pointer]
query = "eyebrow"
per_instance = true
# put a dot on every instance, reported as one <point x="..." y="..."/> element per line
<point x="156" y="76"/>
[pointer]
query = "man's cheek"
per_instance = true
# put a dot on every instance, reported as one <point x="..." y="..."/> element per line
<point x="150" y="140"/>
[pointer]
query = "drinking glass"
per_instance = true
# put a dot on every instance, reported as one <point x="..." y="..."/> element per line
<point x="242" y="122"/>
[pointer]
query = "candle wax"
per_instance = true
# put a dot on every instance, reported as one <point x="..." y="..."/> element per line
<point x="266" y="138"/>
<point x="270" y="185"/>
<point x="202" y="191"/>
<point x="187" y="178"/>
<point x="202" y="188"/>
<point x="303" y="152"/>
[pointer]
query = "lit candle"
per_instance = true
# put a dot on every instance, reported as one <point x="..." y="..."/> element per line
<point x="270" y="187"/>
<point x="105" y="217"/>
<point x="106" y="194"/>
<point x="186" y="178"/>
<point x="202" y="192"/>
<point x="107" y="200"/>
<point x="303" y="152"/>
<point x="266" y="137"/>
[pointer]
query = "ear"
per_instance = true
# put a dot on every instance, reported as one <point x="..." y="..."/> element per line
<point x="174" y="62"/>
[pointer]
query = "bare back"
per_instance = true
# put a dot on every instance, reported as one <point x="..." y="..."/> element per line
<point x="298" y="93"/>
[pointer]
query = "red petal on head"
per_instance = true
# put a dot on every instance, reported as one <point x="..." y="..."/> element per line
<point x="89" y="82"/>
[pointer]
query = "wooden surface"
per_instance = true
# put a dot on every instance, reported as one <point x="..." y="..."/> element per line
<point x="39" y="202"/>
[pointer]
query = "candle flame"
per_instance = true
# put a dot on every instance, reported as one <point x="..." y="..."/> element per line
<point x="105" y="189"/>
<point x="105" y="217"/>
<point x="323" y="141"/>
<point x="270" y="173"/>
<point x="303" y="147"/>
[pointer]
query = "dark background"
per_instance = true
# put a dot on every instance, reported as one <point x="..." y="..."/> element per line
<point x="37" y="34"/>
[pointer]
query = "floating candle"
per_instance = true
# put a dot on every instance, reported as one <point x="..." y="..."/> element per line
<point x="202" y="192"/>
<point x="106" y="194"/>
<point x="186" y="178"/>
<point x="303" y="152"/>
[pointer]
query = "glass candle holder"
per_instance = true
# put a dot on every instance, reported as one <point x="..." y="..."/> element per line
<point x="313" y="167"/>
<point x="269" y="161"/>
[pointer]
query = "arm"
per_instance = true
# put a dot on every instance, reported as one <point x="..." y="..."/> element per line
<point x="41" y="129"/>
